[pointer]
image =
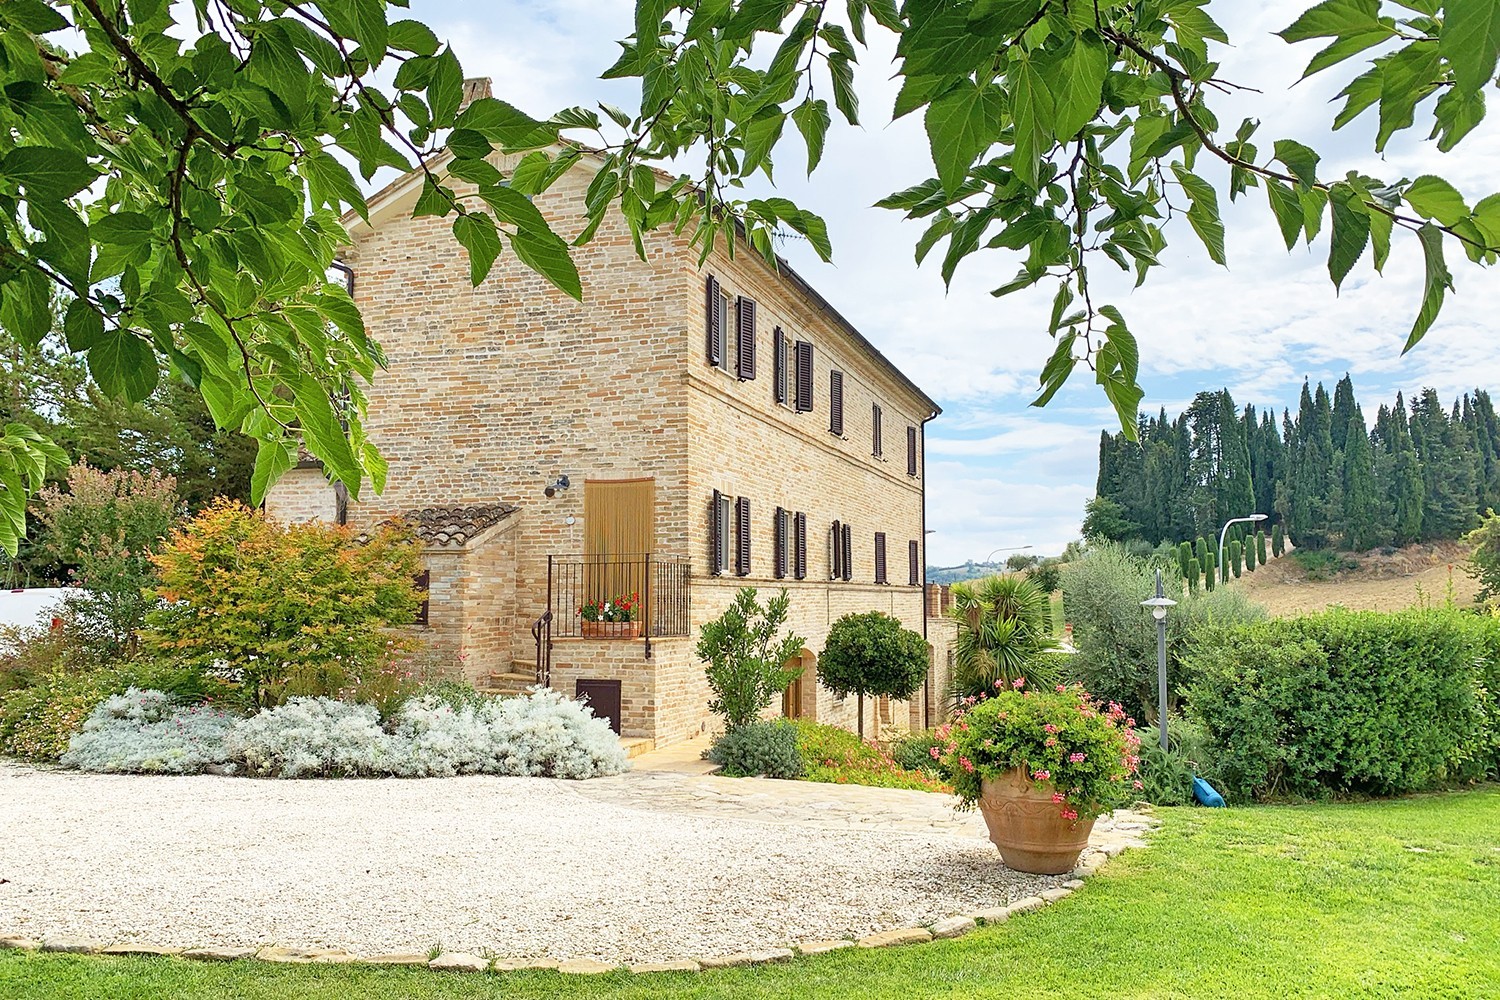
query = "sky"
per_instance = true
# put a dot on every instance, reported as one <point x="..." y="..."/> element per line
<point x="1002" y="474"/>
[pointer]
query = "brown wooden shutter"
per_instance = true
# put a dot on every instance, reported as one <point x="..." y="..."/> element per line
<point x="836" y="552"/>
<point x="715" y="536"/>
<point x="799" y="568"/>
<point x="848" y="546"/>
<point x="778" y="364"/>
<point x="741" y="536"/>
<point x="880" y="557"/>
<point x="745" y="338"/>
<point x="913" y="560"/>
<point x="804" y="376"/>
<point x="714" y="322"/>
<point x="778" y="543"/>
<point x="875" y="425"/>
<point x="836" y="403"/>
<point x="911" y="451"/>
<point x="423" y="583"/>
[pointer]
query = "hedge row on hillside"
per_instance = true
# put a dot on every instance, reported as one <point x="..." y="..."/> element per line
<point x="1349" y="702"/>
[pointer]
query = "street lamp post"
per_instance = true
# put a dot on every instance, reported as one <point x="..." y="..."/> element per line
<point x="1017" y="548"/>
<point x="1159" y="605"/>
<point x="1225" y="530"/>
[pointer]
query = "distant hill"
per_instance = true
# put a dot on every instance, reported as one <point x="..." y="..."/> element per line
<point x="965" y="571"/>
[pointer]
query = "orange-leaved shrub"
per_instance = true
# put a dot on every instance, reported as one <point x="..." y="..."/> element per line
<point x="284" y="609"/>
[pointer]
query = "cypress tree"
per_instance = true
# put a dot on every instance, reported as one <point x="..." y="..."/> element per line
<point x="1343" y="410"/>
<point x="1184" y="557"/>
<point x="1211" y="570"/>
<point x="1235" y="558"/>
<point x="1278" y="546"/>
<point x="1406" y="490"/>
<point x="1360" y="526"/>
<point x="1260" y="547"/>
<point x="1192" y="575"/>
<point x="1249" y="553"/>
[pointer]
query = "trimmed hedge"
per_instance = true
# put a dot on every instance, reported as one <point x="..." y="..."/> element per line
<point x="1349" y="702"/>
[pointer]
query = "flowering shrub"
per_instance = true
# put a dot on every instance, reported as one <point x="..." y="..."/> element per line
<point x="37" y="721"/>
<point x="1064" y="741"/>
<point x="837" y="756"/>
<point x="623" y="608"/>
<point x="297" y="609"/>
<point x="145" y="732"/>
<point x="759" y="749"/>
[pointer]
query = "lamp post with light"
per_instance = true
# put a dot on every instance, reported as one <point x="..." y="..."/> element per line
<point x="1256" y="518"/>
<point x="1159" y="605"/>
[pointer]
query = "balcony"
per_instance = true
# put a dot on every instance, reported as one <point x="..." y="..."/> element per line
<point x="655" y="585"/>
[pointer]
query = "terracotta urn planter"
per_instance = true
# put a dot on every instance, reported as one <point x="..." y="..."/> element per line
<point x="610" y="630"/>
<point x="1028" y="827"/>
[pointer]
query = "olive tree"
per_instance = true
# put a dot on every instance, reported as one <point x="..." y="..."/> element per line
<point x="746" y="655"/>
<point x="872" y="654"/>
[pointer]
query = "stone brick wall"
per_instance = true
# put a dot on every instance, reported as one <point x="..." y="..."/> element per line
<point x="492" y="392"/>
<point x="301" y="495"/>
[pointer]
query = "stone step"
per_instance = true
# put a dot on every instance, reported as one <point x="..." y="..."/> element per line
<point x="634" y="746"/>
<point x="514" y="682"/>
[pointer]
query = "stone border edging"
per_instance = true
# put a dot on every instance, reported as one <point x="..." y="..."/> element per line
<point x="1136" y="825"/>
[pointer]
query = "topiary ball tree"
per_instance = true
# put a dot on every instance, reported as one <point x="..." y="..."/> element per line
<point x="874" y="654"/>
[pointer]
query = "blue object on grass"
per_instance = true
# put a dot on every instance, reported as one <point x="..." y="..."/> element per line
<point x="1206" y="795"/>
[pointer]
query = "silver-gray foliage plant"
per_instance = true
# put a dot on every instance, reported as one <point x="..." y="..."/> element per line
<point x="144" y="732"/>
<point x="539" y="734"/>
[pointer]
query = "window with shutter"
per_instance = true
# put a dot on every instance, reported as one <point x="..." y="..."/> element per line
<point x="875" y="429"/>
<point x="745" y="339"/>
<point x="799" y="562"/>
<point x="848" y="546"/>
<point x="911" y="451"/>
<point x="836" y="552"/>
<point x="716" y="528"/>
<point x="423" y="581"/>
<point x="836" y="403"/>
<point x="913" y="560"/>
<point x="741" y="536"/>
<point x="804" y="358"/>
<point x="712" y="322"/>
<point x="779" y="367"/>
<point x="779" y="537"/>
<point x="880" y="557"/>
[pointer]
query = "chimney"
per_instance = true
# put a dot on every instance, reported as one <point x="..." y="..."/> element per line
<point x="474" y="88"/>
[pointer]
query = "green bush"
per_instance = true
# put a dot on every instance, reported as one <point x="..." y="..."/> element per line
<point x="36" y="722"/>
<point x="914" y="752"/>
<point x="1236" y="556"/>
<point x="837" y="756"/>
<point x="1323" y="564"/>
<point x="759" y="749"/>
<point x="1116" y="637"/>
<point x="745" y="656"/>
<point x="1348" y="702"/>
<point x="1166" y="777"/>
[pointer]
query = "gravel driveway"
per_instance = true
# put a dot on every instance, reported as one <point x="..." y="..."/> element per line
<point x="521" y="867"/>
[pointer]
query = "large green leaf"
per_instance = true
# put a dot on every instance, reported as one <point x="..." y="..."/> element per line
<point x="812" y="120"/>
<point x="46" y="171"/>
<point x="961" y="125"/>
<point x="1031" y="111"/>
<point x="124" y="365"/>
<point x="1470" y="41"/>
<point x="476" y="231"/>
<point x="1203" y="212"/>
<point x="1076" y="80"/>
<point x="1436" y="285"/>
<point x="1351" y="231"/>
<point x="1435" y="198"/>
<point x="546" y="253"/>
<point x="272" y="459"/>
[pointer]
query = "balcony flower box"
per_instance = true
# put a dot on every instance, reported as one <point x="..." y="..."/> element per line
<point x="610" y="630"/>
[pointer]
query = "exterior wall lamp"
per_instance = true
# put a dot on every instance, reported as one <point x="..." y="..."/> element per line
<point x="555" y="487"/>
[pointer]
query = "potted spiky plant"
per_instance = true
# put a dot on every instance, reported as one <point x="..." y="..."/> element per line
<point x="1040" y="765"/>
<point x="1004" y="630"/>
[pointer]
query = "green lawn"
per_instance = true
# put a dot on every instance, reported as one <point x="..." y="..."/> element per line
<point x="1287" y="901"/>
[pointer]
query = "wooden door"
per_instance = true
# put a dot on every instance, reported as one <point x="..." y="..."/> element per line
<point x="791" y="698"/>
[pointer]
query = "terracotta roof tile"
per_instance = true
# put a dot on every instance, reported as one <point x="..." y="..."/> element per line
<point x="454" y="527"/>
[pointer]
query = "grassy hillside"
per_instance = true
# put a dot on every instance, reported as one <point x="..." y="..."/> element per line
<point x="1372" y="581"/>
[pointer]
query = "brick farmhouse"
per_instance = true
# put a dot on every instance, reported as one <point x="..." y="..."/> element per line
<point x="681" y="433"/>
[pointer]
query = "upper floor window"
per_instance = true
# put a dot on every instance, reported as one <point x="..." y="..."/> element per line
<point x="719" y="519"/>
<point x="880" y="557"/>
<point x="803" y="356"/>
<point x="911" y="451"/>
<point x="836" y="403"/>
<point x="781" y="368"/>
<point x="875" y="442"/>
<point x="745" y="339"/>
<point x="716" y="310"/>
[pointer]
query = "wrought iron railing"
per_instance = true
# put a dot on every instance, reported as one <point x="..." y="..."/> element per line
<point x="654" y="586"/>
<point x="541" y="631"/>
